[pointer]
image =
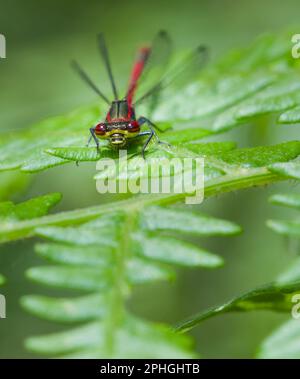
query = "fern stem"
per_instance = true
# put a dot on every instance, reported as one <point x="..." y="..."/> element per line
<point x="241" y="179"/>
<point x="120" y="291"/>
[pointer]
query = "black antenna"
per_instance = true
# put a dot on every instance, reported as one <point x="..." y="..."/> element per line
<point x="89" y="82"/>
<point x="105" y="57"/>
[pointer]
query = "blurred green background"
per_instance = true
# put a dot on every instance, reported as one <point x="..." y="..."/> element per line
<point x="36" y="82"/>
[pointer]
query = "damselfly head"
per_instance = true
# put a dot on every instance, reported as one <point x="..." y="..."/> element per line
<point x="117" y="140"/>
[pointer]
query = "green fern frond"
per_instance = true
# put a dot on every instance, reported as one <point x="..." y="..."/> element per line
<point x="105" y="258"/>
<point x="224" y="172"/>
<point x="284" y="341"/>
<point x="287" y="228"/>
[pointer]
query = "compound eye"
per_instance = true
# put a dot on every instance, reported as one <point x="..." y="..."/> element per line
<point x="133" y="126"/>
<point x="100" y="129"/>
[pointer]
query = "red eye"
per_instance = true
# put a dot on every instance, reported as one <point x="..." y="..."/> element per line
<point x="133" y="126"/>
<point x="100" y="129"/>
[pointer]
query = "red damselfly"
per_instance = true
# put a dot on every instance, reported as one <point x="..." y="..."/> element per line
<point x="121" y="125"/>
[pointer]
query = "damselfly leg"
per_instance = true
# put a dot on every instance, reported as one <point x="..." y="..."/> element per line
<point x="94" y="137"/>
<point x="152" y="133"/>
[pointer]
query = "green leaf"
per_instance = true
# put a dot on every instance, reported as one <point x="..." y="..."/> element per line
<point x="211" y="98"/>
<point x="230" y="107"/>
<point x="80" y="236"/>
<point x="86" y="278"/>
<point x="286" y="228"/>
<point x="210" y="148"/>
<point x="289" y="200"/>
<point x="262" y="155"/>
<point x="29" y="209"/>
<point x="93" y="255"/>
<point x="279" y="94"/>
<point x="129" y="342"/>
<point x="65" y="310"/>
<point x="291" y="116"/>
<point x="277" y="98"/>
<point x="12" y="215"/>
<point x="289" y="169"/>
<point x="96" y="278"/>
<point x="78" y="154"/>
<point x="283" y="343"/>
<point x="177" y="252"/>
<point x="143" y="271"/>
<point x="184" y="135"/>
<point x="275" y="297"/>
<point x="180" y="220"/>
<point x="26" y="150"/>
